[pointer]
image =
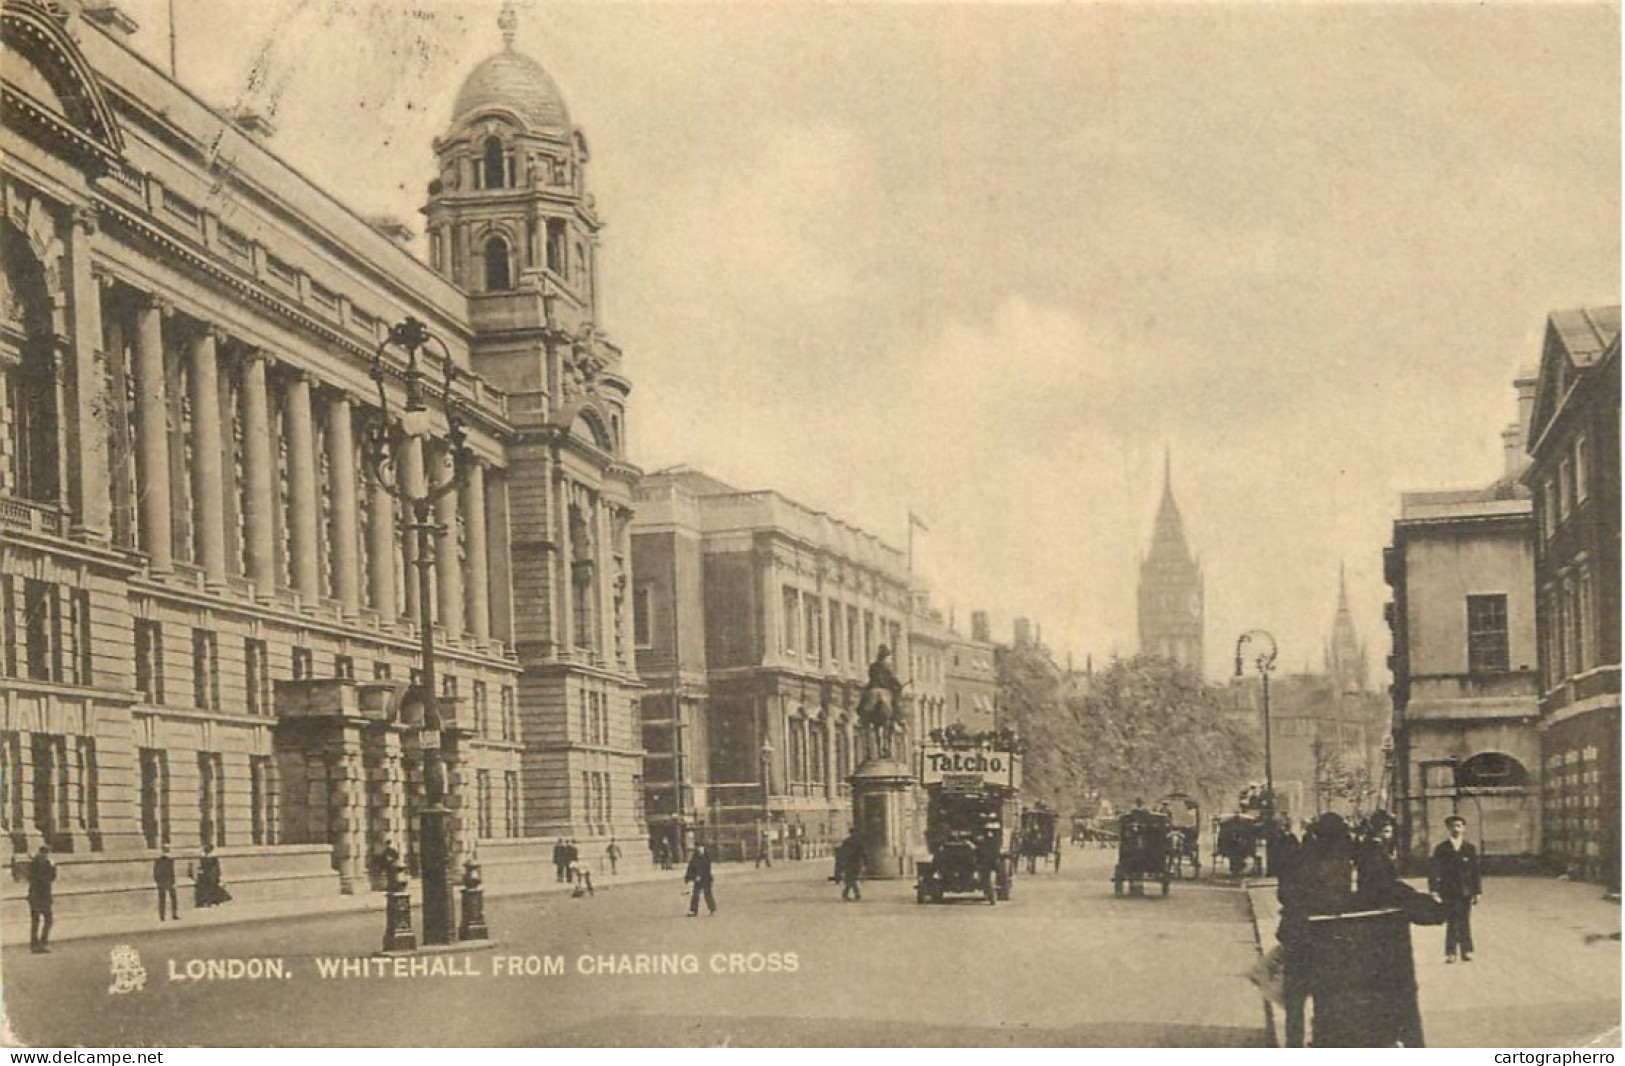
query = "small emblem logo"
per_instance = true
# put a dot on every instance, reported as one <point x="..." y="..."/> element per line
<point x="124" y="963"/>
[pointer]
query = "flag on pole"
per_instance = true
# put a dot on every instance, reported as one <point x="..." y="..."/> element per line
<point x="916" y="520"/>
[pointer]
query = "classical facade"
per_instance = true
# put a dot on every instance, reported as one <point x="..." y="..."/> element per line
<point x="210" y="636"/>
<point x="1573" y="441"/>
<point x="1170" y="592"/>
<point x="795" y="606"/>
<point x="1461" y="570"/>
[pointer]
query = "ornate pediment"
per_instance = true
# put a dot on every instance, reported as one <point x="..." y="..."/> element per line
<point x="49" y="84"/>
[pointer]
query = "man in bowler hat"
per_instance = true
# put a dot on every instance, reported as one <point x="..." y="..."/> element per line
<point x="1455" y="882"/>
<point x="163" y="876"/>
<point x="699" y="875"/>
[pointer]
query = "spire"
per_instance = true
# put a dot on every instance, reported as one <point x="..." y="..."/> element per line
<point x="508" y="22"/>
<point x="1167" y="469"/>
<point x="1342" y="586"/>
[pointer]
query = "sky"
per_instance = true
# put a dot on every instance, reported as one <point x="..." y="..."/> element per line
<point x="991" y="262"/>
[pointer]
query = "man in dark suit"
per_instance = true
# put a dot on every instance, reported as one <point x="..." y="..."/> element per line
<point x="1455" y="882"/>
<point x="163" y="875"/>
<point x="41" y="879"/>
<point x="849" y="858"/>
<point x="698" y="874"/>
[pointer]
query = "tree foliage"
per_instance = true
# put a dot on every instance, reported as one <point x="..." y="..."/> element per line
<point x="1141" y="728"/>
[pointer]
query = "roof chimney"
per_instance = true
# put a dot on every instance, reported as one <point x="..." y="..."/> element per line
<point x="109" y="16"/>
<point x="979" y="628"/>
<point x="252" y="121"/>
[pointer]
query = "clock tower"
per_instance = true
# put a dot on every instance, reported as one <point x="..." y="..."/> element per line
<point x="1171" y="587"/>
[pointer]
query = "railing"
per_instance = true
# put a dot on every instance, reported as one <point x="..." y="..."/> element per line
<point x="32" y="516"/>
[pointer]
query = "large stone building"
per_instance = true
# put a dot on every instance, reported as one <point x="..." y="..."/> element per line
<point x="794" y="605"/>
<point x="1573" y="441"/>
<point x="1170" y="591"/>
<point x="1461" y="567"/>
<point x="210" y="636"/>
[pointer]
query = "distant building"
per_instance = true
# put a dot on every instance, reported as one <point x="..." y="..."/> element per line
<point x="972" y="688"/>
<point x="1461" y="567"/>
<point x="1573" y="441"/>
<point x="1326" y="730"/>
<point x="1170" y="594"/>
<point x="794" y="605"/>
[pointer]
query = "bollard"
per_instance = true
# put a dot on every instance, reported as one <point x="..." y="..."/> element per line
<point x="473" y="926"/>
<point x="398" y="932"/>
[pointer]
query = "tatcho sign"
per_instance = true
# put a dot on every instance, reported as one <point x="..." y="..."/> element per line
<point x="969" y="769"/>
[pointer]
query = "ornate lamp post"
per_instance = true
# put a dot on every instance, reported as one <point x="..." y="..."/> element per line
<point x="1264" y="660"/>
<point x="397" y="450"/>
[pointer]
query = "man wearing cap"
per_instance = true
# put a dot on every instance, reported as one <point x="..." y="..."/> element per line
<point x="1455" y="882"/>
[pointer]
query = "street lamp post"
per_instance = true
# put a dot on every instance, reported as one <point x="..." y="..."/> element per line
<point x="1264" y="660"/>
<point x="391" y="441"/>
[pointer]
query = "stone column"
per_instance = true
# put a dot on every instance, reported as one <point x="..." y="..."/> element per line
<point x="302" y="488"/>
<point x="448" y="570"/>
<point x="832" y="787"/>
<point x="259" y="521"/>
<point x="208" y="492"/>
<point x="88" y="469"/>
<point x="479" y="571"/>
<point x="346" y="535"/>
<point x="152" y="428"/>
<point x="381" y="557"/>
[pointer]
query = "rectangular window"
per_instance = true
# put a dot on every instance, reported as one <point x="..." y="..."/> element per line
<point x="1487" y="633"/>
<point x="205" y="670"/>
<point x="868" y="636"/>
<point x="77" y="637"/>
<point x="88" y="775"/>
<point x="640" y="616"/>
<point x="154" y="796"/>
<point x="257" y="676"/>
<point x="211" y="798"/>
<point x="1565" y="488"/>
<point x="8" y="624"/>
<point x="482" y="710"/>
<point x="149" y="661"/>
<point x="791" y="617"/>
<point x="854" y="638"/>
<point x="814" y="630"/>
<point x="1548" y="510"/>
<point x="482" y="795"/>
<point x="304" y="664"/>
<point x="380" y="671"/>
<point x="41" y="625"/>
<point x="510" y="714"/>
<point x="510" y="803"/>
<point x="834" y="632"/>
<point x="1581" y="465"/>
<point x="344" y="667"/>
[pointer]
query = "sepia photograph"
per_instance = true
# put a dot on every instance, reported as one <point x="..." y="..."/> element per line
<point x="794" y="523"/>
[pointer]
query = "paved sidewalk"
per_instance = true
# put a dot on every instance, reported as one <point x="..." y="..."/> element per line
<point x="1546" y="972"/>
<point x="238" y="913"/>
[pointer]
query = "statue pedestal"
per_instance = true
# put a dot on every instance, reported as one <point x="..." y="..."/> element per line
<point x="882" y="794"/>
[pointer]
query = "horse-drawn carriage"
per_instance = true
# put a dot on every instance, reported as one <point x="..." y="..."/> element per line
<point x="1142" y="851"/>
<point x="1238" y="842"/>
<point x="1184" y="847"/>
<point x="1039" y="838"/>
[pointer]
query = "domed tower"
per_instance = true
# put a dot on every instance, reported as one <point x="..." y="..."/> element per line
<point x="511" y="223"/>
<point x="1171" y="608"/>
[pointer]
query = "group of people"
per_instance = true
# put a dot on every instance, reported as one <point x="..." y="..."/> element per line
<point x="208" y="884"/>
<point x="208" y="890"/>
<point x="1338" y="869"/>
<point x="569" y="869"/>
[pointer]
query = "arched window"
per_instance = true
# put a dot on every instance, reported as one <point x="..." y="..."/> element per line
<point x="495" y="164"/>
<point x="498" y="278"/>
